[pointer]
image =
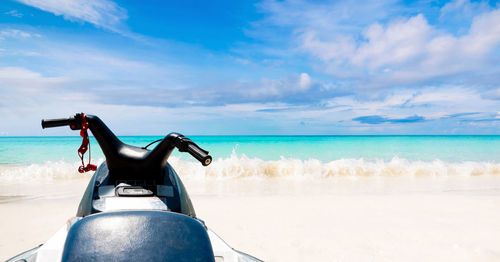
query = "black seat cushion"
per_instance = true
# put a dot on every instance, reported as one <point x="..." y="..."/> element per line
<point x="138" y="236"/>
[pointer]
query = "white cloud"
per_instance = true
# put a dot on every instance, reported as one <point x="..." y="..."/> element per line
<point x="266" y="89"/>
<point x="429" y="102"/>
<point x="398" y="43"/>
<point x="323" y="16"/>
<point x="366" y="42"/>
<point x="412" y="49"/>
<point x="460" y="9"/>
<point x="23" y="86"/>
<point x="343" y="48"/>
<point x="101" y="13"/>
<point x="305" y="81"/>
<point x="16" y="34"/>
<point x="17" y="73"/>
<point x="484" y="34"/>
<point x="14" y="13"/>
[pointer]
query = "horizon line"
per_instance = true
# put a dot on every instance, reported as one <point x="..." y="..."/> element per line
<point x="239" y="135"/>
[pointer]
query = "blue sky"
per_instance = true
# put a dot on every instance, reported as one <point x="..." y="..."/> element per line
<point x="252" y="67"/>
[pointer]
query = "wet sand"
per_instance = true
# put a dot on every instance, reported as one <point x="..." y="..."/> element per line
<point x="334" y="219"/>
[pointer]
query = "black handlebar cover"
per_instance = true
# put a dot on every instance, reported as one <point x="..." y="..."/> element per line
<point x="199" y="154"/>
<point x="185" y="144"/>
<point x="48" y="123"/>
<point x="74" y="122"/>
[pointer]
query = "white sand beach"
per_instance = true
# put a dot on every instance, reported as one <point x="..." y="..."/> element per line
<point x="332" y="219"/>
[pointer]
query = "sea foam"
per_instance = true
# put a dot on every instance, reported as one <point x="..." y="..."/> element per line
<point x="241" y="166"/>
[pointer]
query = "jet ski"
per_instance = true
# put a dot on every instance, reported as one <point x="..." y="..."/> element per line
<point x="135" y="207"/>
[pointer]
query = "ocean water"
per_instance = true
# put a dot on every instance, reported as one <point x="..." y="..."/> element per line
<point x="274" y="156"/>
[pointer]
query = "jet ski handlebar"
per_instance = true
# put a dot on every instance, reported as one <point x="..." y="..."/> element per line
<point x="186" y="145"/>
<point x="113" y="148"/>
<point x="73" y="121"/>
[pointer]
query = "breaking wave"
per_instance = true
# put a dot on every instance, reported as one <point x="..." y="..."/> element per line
<point x="237" y="167"/>
<point x="245" y="167"/>
<point x="48" y="171"/>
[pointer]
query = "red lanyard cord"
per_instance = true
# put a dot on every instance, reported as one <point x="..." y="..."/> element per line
<point x="83" y="148"/>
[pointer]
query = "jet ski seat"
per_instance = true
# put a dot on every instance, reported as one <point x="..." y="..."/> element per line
<point x="138" y="236"/>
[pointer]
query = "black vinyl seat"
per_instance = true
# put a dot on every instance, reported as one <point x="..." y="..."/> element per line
<point x="138" y="236"/>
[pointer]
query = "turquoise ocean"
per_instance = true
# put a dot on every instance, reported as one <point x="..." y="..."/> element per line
<point x="244" y="156"/>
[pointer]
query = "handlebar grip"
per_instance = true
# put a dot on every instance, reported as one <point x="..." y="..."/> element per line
<point x="199" y="154"/>
<point x="48" y="123"/>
